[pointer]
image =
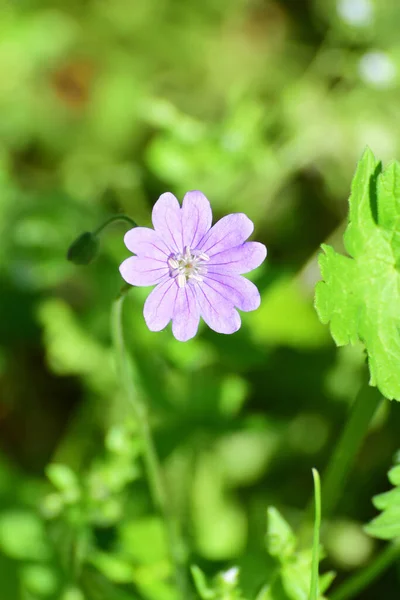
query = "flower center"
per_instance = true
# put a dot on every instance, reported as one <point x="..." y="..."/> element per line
<point x="188" y="265"/>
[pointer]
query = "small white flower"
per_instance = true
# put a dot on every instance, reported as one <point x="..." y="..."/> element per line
<point x="231" y="576"/>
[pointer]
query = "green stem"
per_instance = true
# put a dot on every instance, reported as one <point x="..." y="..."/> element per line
<point x="112" y="219"/>
<point x="342" y="459"/>
<point x="317" y="526"/>
<point x="356" y="584"/>
<point x="153" y="468"/>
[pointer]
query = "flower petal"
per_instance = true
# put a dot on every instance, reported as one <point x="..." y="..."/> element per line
<point x="143" y="271"/>
<point x="241" y="292"/>
<point x="185" y="320"/>
<point x="166" y="217"/>
<point x="228" y="232"/>
<point x="217" y="311"/>
<point x="159" y="306"/>
<point x="241" y="259"/>
<point x="196" y="218"/>
<point x="145" y="242"/>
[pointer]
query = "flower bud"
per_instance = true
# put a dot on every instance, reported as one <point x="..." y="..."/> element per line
<point x="84" y="249"/>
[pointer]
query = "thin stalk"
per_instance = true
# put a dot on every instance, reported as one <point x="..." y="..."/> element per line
<point x="342" y="459"/>
<point x="112" y="219"/>
<point x="317" y="526"/>
<point x="153" y="468"/>
<point x="356" y="584"/>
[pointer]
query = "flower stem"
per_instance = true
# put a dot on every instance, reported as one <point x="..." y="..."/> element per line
<point x="317" y="526"/>
<point x="337" y="471"/>
<point x="153" y="468"/>
<point x="356" y="584"/>
<point x="112" y="219"/>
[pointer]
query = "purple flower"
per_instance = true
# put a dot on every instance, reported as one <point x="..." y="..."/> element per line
<point x="196" y="268"/>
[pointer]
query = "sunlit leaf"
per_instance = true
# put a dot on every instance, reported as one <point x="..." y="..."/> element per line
<point x="360" y="293"/>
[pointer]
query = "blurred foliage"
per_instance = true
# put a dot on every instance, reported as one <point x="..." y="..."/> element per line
<point x="266" y="106"/>
<point x="386" y="526"/>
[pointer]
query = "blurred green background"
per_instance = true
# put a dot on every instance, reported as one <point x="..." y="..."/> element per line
<point x="265" y="106"/>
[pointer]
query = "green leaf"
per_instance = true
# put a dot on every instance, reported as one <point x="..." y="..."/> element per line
<point x="201" y="584"/>
<point x="360" y="294"/>
<point x="73" y="593"/>
<point x="387" y="499"/>
<point x="224" y="586"/>
<point x="394" y="475"/>
<point x="95" y="586"/>
<point x="65" y="480"/>
<point x="272" y="592"/>
<point x="296" y="578"/>
<point x="281" y="541"/>
<point x="113" y="567"/>
<point x="265" y="593"/>
<point x="39" y="579"/>
<point x="326" y="580"/>
<point x="386" y="526"/>
<point x="22" y="536"/>
<point x="292" y="578"/>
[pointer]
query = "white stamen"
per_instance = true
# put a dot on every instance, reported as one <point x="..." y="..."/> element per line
<point x="187" y="265"/>
<point x="181" y="280"/>
<point x="173" y="263"/>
